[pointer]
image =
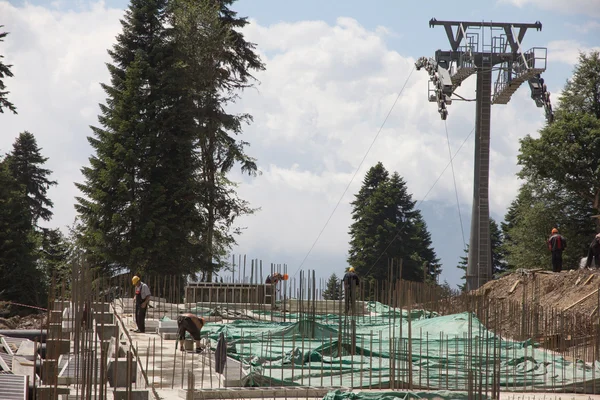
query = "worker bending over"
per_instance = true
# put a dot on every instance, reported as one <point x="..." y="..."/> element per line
<point x="192" y="324"/>
<point x="351" y="283"/>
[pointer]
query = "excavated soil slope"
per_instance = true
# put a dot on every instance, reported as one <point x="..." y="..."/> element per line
<point x="552" y="290"/>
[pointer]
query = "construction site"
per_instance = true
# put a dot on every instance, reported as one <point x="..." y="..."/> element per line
<point x="531" y="334"/>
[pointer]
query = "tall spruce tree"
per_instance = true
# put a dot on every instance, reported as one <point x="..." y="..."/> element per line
<point x="19" y="278"/>
<point x="219" y="63"/>
<point x="333" y="289"/>
<point x="139" y="211"/>
<point x="54" y="256"/>
<point x="5" y="72"/>
<point x="387" y="226"/>
<point x="25" y="162"/>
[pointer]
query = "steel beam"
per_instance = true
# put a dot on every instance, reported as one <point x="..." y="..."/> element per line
<point x="479" y="266"/>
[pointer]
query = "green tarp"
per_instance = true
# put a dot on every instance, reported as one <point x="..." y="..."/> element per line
<point x="425" y="351"/>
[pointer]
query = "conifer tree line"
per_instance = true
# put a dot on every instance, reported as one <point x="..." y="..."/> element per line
<point x="30" y="255"/>
<point x="156" y="198"/>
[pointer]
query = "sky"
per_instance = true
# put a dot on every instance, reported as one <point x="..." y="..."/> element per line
<point x="333" y="72"/>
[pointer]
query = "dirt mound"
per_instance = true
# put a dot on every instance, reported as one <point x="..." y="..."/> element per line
<point x="561" y="291"/>
<point x="33" y="321"/>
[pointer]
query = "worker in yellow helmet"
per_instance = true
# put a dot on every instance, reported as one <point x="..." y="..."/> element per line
<point x="351" y="283"/>
<point x="141" y="299"/>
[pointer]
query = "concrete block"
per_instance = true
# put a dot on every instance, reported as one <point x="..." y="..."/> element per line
<point x="60" y="305"/>
<point x="101" y="307"/>
<point x="56" y="316"/>
<point x="22" y="366"/>
<point x="27" y="348"/>
<point x="117" y="372"/>
<point x="50" y="392"/>
<point x="49" y="371"/>
<point x="104" y="318"/>
<point x="105" y="332"/>
<point x="56" y="347"/>
<point x="188" y="344"/>
<point x="136" y="394"/>
<point x="169" y="336"/>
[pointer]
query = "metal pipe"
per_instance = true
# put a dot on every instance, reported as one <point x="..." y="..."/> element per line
<point x="31" y="334"/>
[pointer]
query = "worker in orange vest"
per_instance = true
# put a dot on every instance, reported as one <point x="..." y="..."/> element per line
<point x="557" y="244"/>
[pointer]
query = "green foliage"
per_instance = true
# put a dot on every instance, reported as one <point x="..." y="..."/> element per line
<point x="217" y="63"/>
<point x="139" y="209"/>
<point x="561" y="170"/>
<point x="582" y="92"/>
<point x="19" y="277"/>
<point x="333" y="290"/>
<point x="387" y="226"/>
<point x="499" y="264"/>
<point x="54" y="257"/>
<point x="5" y="72"/>
<point x="566" y="153"/>
<point x="25" y="163"/>
<point x="539" y="207"/>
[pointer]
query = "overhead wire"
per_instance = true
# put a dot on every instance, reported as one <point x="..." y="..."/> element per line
<point x="421" y="201"/>
<point x="462" y="230"/>
<point x="355" y="172"/>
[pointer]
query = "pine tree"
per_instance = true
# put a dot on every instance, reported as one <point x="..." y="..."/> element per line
<point x="55" y="256"/>
<point x="333" y="290"/>
<point x="19" y="278"/>
<point x="139" y="209"/>
<point x="25" y="163"/>
<point x="5" y="72"/>
<point x="387" y="226"/>
<point x="218" y="64"/>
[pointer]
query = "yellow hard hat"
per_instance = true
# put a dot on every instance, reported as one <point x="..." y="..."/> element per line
<point x="135" y="280"/>
<point x="351" y="269"/>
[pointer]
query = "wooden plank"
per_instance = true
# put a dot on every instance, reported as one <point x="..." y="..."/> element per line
<point x="588" y="279"/>
<point x="594" y="312"/>
<point x="512" y="289"/>
<point x="581" y="300"/>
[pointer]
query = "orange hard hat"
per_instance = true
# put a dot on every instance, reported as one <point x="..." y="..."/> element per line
<point x="554" y="230"/>
<point x="285" y="277"/>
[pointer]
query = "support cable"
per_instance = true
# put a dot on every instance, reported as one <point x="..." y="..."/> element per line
<point x="355" y="173"/>
<point x="462" y="230"/>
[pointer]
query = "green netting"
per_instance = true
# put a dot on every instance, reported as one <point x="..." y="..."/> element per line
<point x="437" y="395"/>
<point x="427" y="350"/>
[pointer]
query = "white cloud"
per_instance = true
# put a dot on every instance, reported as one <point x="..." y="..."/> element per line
<point x="583" y="7"/>
<point x="322" y="99"/>
<point x="586" y="27"/>
<point x="567" y="51"/>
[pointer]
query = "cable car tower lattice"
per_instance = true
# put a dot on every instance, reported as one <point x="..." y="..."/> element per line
<point x="481" y="48"/>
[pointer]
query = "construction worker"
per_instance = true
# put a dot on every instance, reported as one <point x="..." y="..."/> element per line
<point x="594" y="253"/>
<point x="274" y="279"/>
<point x="192" y="324"/>
<point x="350" y="282"/>
<point x="557" y="244"/>
<point x="141" y="299"/>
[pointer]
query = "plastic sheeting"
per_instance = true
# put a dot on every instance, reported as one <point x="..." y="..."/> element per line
<point x="425" y="351"/>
